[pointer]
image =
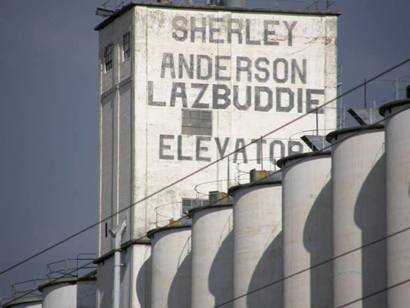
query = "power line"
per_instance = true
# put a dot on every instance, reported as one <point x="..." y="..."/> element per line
<point x="339" y="256"/>
<point x="89" y="263"/>
<point x="294" y="274"/>
<point x="318" y="265"/>
<point x="25" y="260"/>
<point x="29" y="292"/>
<point x="375" y="293"/>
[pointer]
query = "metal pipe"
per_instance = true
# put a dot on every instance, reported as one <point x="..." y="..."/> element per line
<point x="117" y="235"/>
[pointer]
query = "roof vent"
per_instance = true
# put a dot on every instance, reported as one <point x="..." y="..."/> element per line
<point x="256" y="176"/>
<point x="234" y="3"/>
<point x="103" y="12"/>
<point x="217" y="197"/>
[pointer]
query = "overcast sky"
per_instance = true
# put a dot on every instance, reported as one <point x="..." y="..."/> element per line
<point x="49" y="112"/>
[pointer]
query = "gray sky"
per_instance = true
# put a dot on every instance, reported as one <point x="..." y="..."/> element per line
<point x="48" y="119"/>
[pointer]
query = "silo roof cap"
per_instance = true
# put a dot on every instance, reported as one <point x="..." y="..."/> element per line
<point x="124" y="246"/>
<point x="89" y="276"/>
<point x="68" y="280"/>
<point x="232" y="190"/>
<point x="169" y="227"/>
<point x="386" y="108"/>
<point x="283" y="161"/>
<point x="24" y="300"/>
<point x="225" y="203"/>
<point x="335" y="134"/>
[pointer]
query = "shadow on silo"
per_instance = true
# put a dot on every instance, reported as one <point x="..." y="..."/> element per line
<point x="179" y="295"/>
<point x="268" y="270"/>
<point x="143" y="284"/>
<point x="318" y="241"/>
<point x="221" y="273"/>
<point x="370" y="213"/>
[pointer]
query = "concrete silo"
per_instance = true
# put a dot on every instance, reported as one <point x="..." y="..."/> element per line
<point x="307" y="230"/>
<point x="28" y="302"/>
<point x="212" y="252"/>
<point x="135" y="275"/>
<point x="61" y="293"/>
<point x="397" y="136"/>
<point x="358" y="177"/>
<point x="171" y="266"/>
<point x="257" y="262"/>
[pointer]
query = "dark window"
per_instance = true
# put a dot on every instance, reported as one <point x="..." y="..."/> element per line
<point x="108" y="57"/>
<point x="126" y="45"/>
<point x="196" y="122"/>
<point x="188" y="204"/>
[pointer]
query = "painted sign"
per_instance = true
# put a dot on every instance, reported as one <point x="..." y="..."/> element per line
<point x="204" y="83"/>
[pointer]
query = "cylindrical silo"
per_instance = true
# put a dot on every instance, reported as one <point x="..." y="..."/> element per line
<point x="135" y="281"/>
<point x="87" y="291"/>
<point x="26" y="302"/>
<point x="212" y="252"/>
<point x="257" y="216"/>
<point x="171" y="266"/>
<point x="307" y="230"/>
<point x="397" y="134"/>
<point x="61" y="293"/>
<point x="359" y="216"/>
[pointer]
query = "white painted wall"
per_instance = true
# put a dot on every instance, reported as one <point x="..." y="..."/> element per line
<point x="137" y="169"/>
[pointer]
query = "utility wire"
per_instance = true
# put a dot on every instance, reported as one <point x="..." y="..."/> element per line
<point x="375" y="293"/>
<point x="339" y="256"/>
<point x="176" y="222"/>
<point x="294" y="274"/>
<point x="321" y="264"/>
<point x="273" y="282"/>
<point x="29" y="292"/>
<point x="25" y="260"/>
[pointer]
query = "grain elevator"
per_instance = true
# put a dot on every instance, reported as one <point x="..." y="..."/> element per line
<point x="221" y="182"/>
<point x="182" y="86"/>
